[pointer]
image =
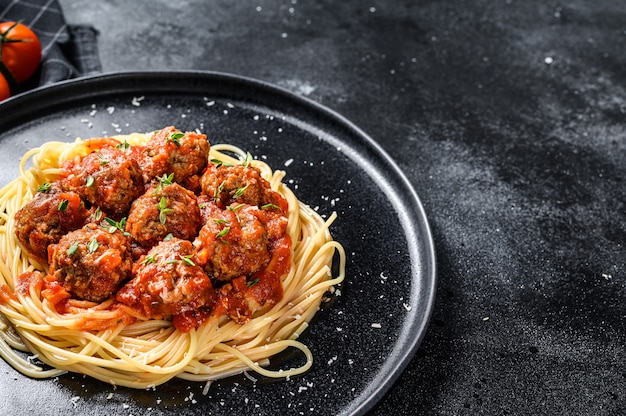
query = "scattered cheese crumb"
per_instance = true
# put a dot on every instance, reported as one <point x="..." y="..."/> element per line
<point x="136" y="101"/>
<point x="74" y="400"/>
<point x="376" y="325"/>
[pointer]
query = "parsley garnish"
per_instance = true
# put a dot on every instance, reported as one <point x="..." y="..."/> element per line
<point x="63" y="205"/>
<point x="239" y="192"/>
<point x="270" y="206"/>
<point x="248" y="159"/>
<point x="164" y="181"/>
<point x="253" y="282"/>
<point x="218" y="191"/>
<point x="219" y="163"/>
<point x="44" y="187"/>
<point x="93" y="245"/>
<point x="98" y="214"/>
<point x="72" y="248"/>
<point x="187" y="260"/>
<point x="235" y="208"/>
<point x="89" y="180"/>
<point x="163" y="210"/>
<point x="175" y="138"/>
<point x="222" y="233"/>
<point x="103" y="161"/>
<point x="114" y="225"/>
<point x="123" y="146"/>
<point x="148" y="260"/>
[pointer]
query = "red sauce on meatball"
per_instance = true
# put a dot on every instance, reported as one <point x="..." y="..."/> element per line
<point x="108" y="178"/>
<point x="46" y="218"/>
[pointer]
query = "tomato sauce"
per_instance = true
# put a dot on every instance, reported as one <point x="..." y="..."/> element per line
<point x="6" y="295"/>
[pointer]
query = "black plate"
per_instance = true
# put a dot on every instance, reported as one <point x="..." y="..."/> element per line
<point x="361" y="341"/>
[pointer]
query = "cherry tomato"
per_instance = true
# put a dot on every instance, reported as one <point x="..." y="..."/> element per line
<point x="21" y="50"/>
<point x="5" y="91"/>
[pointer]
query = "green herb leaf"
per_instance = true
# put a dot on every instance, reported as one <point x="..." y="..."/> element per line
<point x="220" y="221"/>
<point x="63" y="205"/>
<point x="175" y="138"/>
<point x="93" y="245"/>
<point x="218" y="191"/>
<point x="218" y="163"/>
<point x="222" y="233"/>
<point x="115" y="225"/>
<point x="164" y="181"/>
<point x="187" y="260"/>
<point x="248" y="160"/>
<point x="123" y="146"/>
<point x="72" y="249"/>
<point x="270" y="206"/>
<point x="44" y="187"/>
<point x="163" y="210"/>
<point x="239" y="192"/>
<point x="148" y="260"/>
<point x="235" y="208"/>
<point x="103" y="161"/>
<point x="89" y="180"/>
<point x="168" y="237"/>
<point x="253" y="282"/>
<point x="98" y="214"/>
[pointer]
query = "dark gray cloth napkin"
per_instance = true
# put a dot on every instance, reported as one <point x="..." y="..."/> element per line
<point x="68" y="51"/>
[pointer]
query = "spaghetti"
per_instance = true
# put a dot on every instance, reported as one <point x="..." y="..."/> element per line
<point x="140" y="351"/>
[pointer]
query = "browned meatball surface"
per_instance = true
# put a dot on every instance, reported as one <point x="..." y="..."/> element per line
<point x="46" y="218"/>
<point x="228" y="184"/>
<point x="170" y="151"/>
<point x="108" y="178"/>
<point x="91" y="263"/>
<point x="162" y="210"/>
<point x="233" y="242"/>
<point x="168" y="283"/>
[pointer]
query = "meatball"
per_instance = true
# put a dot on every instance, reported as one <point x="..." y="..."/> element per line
<point x="238" y="183"/>
<point x="170" y="151"/>
<point x="46" y="218"/>
<point x="108" y="178"/>
<point x="227" y="184"/>
<point x="162" y="210"/>
<point x="167" y="283"/>
<point x="233" y="242"/>
<point x="91" y="263"/>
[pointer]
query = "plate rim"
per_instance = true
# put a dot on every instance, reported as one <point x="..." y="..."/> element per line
<point x="14" y="109"/>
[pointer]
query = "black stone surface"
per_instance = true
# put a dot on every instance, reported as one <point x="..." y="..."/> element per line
<point x="508" y="118"/>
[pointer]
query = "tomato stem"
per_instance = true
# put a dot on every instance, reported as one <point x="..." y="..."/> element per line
<point x="13" y="40"/>
<point x="4" y="34"/>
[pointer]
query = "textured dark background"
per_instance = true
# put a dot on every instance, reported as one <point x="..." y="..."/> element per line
<point x="508" y="118"/>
